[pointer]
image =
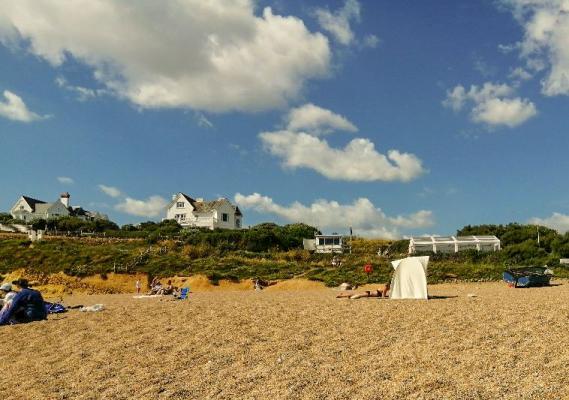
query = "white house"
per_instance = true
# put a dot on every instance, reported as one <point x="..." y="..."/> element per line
<point x="213" y="214"/>
<point x="324" y="244"/>
<point x="28" y="209"/>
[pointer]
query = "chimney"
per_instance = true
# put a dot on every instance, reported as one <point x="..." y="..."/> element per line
<point x="174" y="196"/>
<point x="64" y="198"/>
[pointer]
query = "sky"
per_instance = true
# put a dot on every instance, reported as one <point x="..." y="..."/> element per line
<point x="394" y="118"/>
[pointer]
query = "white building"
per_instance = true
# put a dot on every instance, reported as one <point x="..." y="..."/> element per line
<point x="213" y="214"/>
<point x="324" y="244"/>
<point x="452" y="244"/>
<point x="29" y="209"/>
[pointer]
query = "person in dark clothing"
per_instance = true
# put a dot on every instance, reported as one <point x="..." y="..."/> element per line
<point x="27" y="306"/>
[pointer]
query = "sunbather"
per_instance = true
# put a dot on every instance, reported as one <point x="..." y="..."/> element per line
<point x="9" y="294"/>
<point x="155" y="287"/>
<point x="168" y="289"/>
<point x="368" y="293"/>
<point x="27" y="305"/>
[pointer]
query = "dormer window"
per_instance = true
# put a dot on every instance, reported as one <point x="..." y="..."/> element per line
<point x="180" y="204"/>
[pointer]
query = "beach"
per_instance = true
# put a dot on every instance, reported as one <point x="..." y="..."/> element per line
<point x="471" y="340"/>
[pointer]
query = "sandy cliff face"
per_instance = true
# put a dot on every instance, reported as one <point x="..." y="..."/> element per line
<point x="61" y="284"/>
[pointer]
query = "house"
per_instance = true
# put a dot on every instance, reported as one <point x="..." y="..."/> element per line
<point x="324" y="244"/>
<point x="213" y="214"/>
<point x="29" y="209"/>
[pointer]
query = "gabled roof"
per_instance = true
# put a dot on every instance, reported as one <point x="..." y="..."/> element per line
<point x="207" y="206"/>
<point x="42" y="208"/>
<point x="32" y="202"/>
<point x="185" y="196"/>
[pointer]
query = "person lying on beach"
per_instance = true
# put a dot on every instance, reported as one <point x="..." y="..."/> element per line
<point x="368" y="293"/>
<point x="27" y="305"/>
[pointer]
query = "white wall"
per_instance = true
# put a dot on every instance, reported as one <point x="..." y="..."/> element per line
<point x="186" y="210"/>
<point x="17" y="208"/>
<point x="57" y="209"/>
<point x="228" y="209"/>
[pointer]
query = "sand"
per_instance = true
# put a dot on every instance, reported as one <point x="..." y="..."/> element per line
<point x="297" y="344"/>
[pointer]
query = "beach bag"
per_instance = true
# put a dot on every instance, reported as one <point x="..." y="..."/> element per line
<point x="54" y="308"/>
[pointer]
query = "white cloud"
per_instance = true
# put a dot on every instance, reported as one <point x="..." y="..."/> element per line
<point x="202" y="120"/>
<point x="151" y="207"/>
<point x="365" y="218"/>
<point x="82" y="93"/>
<point x="14" y="108"/>
<point x="65" y="180"/>
<point x="316" y="120"/>
<point x="557" y="221"/>
<point x="299" y="147"/>
<point x="520" y="74"/>
<point x="358" y="161"/>
<point x="110" y="191"/>
<point x="492" y="104"/>
<point x="338" y="23"/>
<point x="546" y="34"/>
<point x="213" y="55"/>
<point x="371" y="41"/>
<point x="509" y="112"/>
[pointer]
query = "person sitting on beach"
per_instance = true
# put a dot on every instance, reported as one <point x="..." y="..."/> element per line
<point x="27" y="305"/>
<point x="9" y="294"/>
<point x="155" y="287"/>
<point x="168" y="289"/>
<point x="368" y="293"/>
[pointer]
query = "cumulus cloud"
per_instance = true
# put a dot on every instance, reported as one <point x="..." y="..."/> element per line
<point x="557" y="221"/>
<point x="110" y="191"/>
<point x="492" y="104"/>
<point x="206" y="55"/>
<point x="300" y="147"/>
<point x="357" y="161"/>
<point x="317" y="120"/>
<point x="365" y="218"/>
<point x="14" y="108"/>
<point x="338" y="23"/>
<point x="65" y="180"/>
<point x="546" y="34"/>
<point x="151" y="207"/>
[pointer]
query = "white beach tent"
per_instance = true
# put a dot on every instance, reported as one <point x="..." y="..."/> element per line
<point x="410" y="278"/>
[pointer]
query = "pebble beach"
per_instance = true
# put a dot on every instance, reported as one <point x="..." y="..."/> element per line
<point x="471" y="340"/>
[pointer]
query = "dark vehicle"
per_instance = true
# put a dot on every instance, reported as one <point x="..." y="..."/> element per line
<point x="528" y="276"/>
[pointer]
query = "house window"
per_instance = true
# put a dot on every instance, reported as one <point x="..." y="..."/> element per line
<point x="224" y="217"/>
<point x="180" y="204"/>
<point x="180" y="217"/>
<point x="237" y="223"/>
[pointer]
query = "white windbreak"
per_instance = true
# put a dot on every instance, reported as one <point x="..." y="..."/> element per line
<point x="410" y="278"/>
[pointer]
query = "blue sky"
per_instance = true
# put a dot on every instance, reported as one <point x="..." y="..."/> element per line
<point x="395" y="118"/>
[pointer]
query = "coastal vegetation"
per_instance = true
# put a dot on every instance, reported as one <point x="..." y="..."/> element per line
<point x="269" y="251"/>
